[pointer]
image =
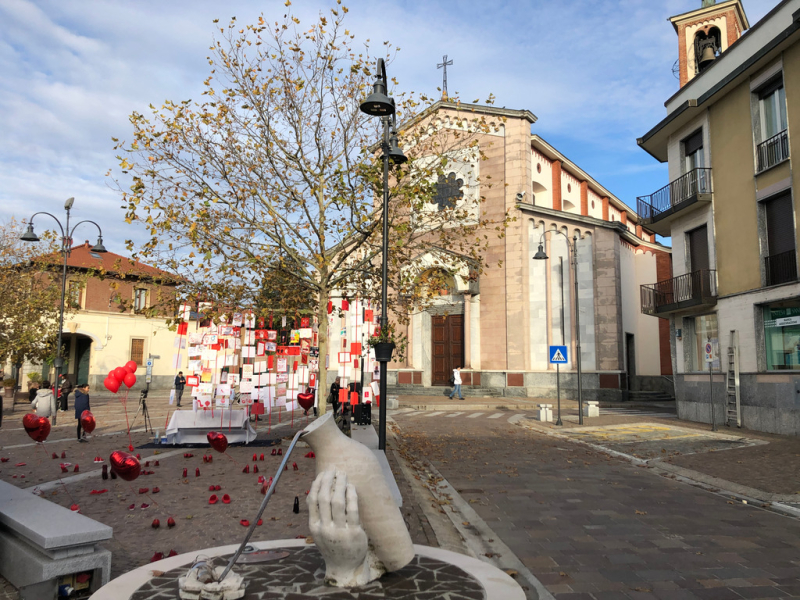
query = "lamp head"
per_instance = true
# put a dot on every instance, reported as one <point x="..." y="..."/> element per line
<point x="540" y="255"/>
<point x="68" y="204"/>
<point x="395" y="153"/>
<point x="378" y="104"/>
<point x="98" y="247"/>
<point x="29" y="236"/>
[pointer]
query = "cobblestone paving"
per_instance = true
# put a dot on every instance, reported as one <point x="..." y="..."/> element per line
<point x="593" y="527"/>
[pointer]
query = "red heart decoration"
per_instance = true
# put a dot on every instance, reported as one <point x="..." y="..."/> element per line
<point x="244" y="523"/>
<point x="87" y="421"/>
<point x="131" y="366"/>
<point x="156" y="524"/>
<point x="125" y="465"/>
<point x="171" y="524"/>
<point x="306" y="400"/>
<point x="111" y="384"/>
<point x="129" y="380"/>
<point x="36" y="427"/>
<point x="217" y="440"/>
<point x="226" y="499"/>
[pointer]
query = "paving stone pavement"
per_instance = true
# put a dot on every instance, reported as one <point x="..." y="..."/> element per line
<point x="590" y="526"/>
<point x="186" y="499"/>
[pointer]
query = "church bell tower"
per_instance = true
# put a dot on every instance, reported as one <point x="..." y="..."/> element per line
<point x="705" y="33"/>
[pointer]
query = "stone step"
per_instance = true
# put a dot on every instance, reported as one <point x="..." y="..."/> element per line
<point x="467" y="391"/>
<point x="649" y="396"/>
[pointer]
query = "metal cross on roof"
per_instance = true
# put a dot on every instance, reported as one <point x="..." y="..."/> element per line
<point x="443" y="65"/>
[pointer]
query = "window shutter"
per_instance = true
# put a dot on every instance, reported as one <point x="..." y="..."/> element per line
<point x="137" y="351"/>
<point x="693" y="143"/>
<point x="768" y="88"/>
<point x="780" y="225"/>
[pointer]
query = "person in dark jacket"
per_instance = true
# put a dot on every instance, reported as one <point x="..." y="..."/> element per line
<point x="65" y="389"/>
<point x="180" y="383"/>
<point x="81" y="404"/>
<point x="333" y="398"/>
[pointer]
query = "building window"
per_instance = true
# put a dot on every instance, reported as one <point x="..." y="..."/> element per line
<point x="773" y="147"/>
<point x="782" y="335"/>
<point x="705" y="332"/>
<point x="693" y="151"/>
<point x="137" y="351"/>
<point x="139" y="299"/>
<point x="73" y="299"/>
<point x="448" y="191"/>
<point x="772" y="102"/>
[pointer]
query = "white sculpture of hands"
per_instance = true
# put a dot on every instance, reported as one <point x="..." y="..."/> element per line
<point x="336" y="527"/>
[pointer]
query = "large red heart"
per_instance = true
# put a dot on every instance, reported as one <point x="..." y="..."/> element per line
<point x="112" y="385"/>
<point x="306" y="400"/>
<point x="129" y="380"/>
<point x="125" y="465"/>
<point x="217" y="440"/>
<point x="36" y="427"/>
<point x="87" y="421"/>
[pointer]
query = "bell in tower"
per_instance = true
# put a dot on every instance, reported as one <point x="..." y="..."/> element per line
<point x="705" y="33"/>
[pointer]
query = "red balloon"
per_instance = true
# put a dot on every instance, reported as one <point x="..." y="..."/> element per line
<point x="87" y="421"/>
<point x="119" y="373"/>
<point x="125" y="465"/>
<point x="129" y="380"/>
<point x="217" y="440"/>
<point x="131" y="366"/>
<point x="36" y="427"/>
<point x="112" y="385"/>
<point x="306" y="400"/>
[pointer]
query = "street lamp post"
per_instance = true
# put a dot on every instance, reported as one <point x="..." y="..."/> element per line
<point x="66" y="243"/>
<point x="378" y="104"/>
<point x="540" y="255"/>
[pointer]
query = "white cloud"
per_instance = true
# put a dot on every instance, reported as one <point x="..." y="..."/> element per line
<point x="595" y="73"/>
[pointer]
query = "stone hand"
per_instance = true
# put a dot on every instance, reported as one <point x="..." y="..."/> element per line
<point x="335" y="524"/>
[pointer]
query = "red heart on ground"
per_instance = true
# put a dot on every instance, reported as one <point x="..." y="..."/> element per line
<point x="87" y="421"/>
<point x="125" y="465"/>
<point x="171" y="524"/>
<point x="217" y="440"/>
<point x="244" y="523"/>
<point x="156" y="524"/>
<point x="36" y="427"/>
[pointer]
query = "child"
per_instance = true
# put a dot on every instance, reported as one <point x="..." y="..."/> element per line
<point x="81" y="404"/>
<point x="45" y="403"/>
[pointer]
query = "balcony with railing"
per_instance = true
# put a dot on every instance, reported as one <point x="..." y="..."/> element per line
<point x="659" y="208"/>
<point x="773" y="151"/>
<point x="697" y="290"/>
<point x="781" y="268"/>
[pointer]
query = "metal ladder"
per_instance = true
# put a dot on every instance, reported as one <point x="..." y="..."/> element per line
<point x="733" y="411"/>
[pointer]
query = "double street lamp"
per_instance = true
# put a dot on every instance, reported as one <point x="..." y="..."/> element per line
<point x="540" y="255"/>
<point x="66" y="243"/>
<point x="378" y="104"/>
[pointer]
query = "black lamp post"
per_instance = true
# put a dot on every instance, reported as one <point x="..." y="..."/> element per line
<point x="66" y="242"/>
<point x="378" y="104"/>
<point x="540" y="255"/>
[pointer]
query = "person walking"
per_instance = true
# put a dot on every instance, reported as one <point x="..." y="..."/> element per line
<point x="65" y="390"/>
<point x="81" y="405"/>
<point x="457" y="383"/>
<point x="45" y="402"/>
<point x="180" y="383"/>
<point x="333" y="397"/>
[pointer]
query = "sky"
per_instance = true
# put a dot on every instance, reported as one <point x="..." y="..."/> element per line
<point x="596" y="73"/>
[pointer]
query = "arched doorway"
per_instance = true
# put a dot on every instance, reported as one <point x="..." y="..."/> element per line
<point x="447" y="324"/>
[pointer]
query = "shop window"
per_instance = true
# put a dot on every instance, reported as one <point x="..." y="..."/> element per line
<point x="782" y="336"/>
<point x="705" y="332"/>
<point x="137" y="351"/>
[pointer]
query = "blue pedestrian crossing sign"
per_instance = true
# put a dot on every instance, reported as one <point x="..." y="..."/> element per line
<point x="558" y="354"/>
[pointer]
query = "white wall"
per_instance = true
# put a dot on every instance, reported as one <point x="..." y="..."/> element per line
<point x="648" y="349"/>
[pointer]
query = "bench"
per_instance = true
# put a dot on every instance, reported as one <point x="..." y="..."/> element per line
<point x="41" y="542"/>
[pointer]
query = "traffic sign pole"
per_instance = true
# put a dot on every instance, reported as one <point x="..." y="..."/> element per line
<point x="710" y="361"/>
<point x="558" y="392"/>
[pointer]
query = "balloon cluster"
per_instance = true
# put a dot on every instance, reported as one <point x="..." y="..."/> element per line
<point x="120" y="375"/>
